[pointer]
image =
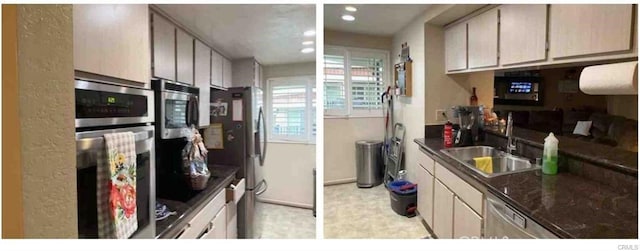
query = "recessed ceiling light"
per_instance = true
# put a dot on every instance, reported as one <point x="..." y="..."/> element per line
<point x="349" y="18"/>
<point x="350" y="9"/>
<point x="307" y="50"/>
<point x="307" y="43"/>
<point x="309" y="33"/>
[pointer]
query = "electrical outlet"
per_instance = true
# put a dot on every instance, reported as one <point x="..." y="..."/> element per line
<point x="439" y="116"/>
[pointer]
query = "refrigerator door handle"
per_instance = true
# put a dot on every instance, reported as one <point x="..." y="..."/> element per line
<point x="262" y="151"/>
<point x="264" y="184"/>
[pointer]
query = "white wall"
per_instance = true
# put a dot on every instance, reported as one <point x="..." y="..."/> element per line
<point x="410" y="110"/>
<point x="340" y="135"/>
<point x="288" y="167"/>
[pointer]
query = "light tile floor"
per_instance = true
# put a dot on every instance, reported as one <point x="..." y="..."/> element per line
<point x="282" y="222"/>
<point x="354" y="213"/>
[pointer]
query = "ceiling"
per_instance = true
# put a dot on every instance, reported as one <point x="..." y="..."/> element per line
<point x="372" y="19"/>
<point x="272" y="33"/>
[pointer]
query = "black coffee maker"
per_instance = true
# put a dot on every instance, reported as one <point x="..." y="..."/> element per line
<point x="469" y="120"/>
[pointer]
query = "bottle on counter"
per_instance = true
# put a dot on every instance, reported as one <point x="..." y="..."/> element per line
<point x="550" y="155"/>
<point x="473" y="100"/>
<point x="448" y="134"/>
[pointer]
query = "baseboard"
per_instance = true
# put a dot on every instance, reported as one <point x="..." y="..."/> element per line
<point x="338" y="182"/>
<point x="286" y="203"/>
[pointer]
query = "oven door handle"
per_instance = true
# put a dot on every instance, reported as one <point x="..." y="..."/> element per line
<point x="88" y="144"/>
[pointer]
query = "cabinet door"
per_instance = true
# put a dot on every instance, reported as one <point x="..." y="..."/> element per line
<point x="184" y="57"/>
<point x="110" y="46"/>
<point x="218" y="228"/>
<point x="523" y="33"/>
<point x="442" y="211"/>
<point x="226" y="73"/>
<point x="425" y="195"/>
<point x="466" y="223"/>
<point x="216" y="69"/>
<point x="455" y="42"/>
<point x="164" y="48"/>
<point x="202" y="78"/>
<point x="584" y="29"/>
<point x="483" y="40"/>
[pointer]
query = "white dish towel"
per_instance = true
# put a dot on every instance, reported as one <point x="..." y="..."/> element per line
<point x="116" y="187"/>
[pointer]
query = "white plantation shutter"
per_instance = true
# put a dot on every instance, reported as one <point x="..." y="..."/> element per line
<point x="335" y="91"/>
<point x="290" y="106"/>
<point x="367" y="82"/>
<point x="354" y="80"/>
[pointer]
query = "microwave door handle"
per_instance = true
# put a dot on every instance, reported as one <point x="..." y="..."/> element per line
<point x="196" y="112"/>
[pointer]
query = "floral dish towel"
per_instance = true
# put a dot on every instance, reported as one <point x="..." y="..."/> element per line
<point x="116" y="187"/>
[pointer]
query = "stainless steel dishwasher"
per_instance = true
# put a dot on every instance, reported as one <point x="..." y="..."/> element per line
<point x="504" y="222"/>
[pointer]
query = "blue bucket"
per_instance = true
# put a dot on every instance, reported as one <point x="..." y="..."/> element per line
<point x="396" y="185"/>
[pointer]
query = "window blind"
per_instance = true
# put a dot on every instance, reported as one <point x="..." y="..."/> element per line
<point x="366" y="83"/>
<point x="288" y="104"/>
<point x="334" y="85"/>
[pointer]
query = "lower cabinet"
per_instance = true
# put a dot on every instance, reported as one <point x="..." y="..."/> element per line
<point x="425" y="194"/>
<point x="442" y="211"/>
<point x="466" y="223"/>
<point x="218" y="226"/>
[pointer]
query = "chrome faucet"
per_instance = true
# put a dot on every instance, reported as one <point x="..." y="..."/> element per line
<point x="511" y="141"/>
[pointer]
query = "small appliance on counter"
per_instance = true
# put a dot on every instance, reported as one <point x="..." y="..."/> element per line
<point x="471" y="122"/>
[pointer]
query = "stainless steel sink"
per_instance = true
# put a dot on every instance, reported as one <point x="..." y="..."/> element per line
<point x="502" y="162"/>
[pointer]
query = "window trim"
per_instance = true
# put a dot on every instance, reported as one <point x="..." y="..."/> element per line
<point x="306" y="139"/>
<point x="346" y="52"/>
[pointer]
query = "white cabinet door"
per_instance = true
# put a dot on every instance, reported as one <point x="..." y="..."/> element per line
<point x="108" y="46"/>
<point x="184" y="57"/>
<point x="218" y="227"/>
<point x="483" y="39"/>
<point x="466" y="223"/>
<point x="585" y="29"/>
<point x="442" y="211"/>
<point x="226" y="73"/>
<point x="202" y="78"/>
<point x="164" y="48"/>
<point x="425" y="195"/>
<point x="216" y="69"/>
<point x="455" y="42"/>
<point x="523" y="33"/>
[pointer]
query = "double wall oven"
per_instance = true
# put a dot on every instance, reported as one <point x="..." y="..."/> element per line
<point x="103" y="108"/>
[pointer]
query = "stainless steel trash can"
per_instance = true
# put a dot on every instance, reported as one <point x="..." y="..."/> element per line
<point x="369" y="167"/>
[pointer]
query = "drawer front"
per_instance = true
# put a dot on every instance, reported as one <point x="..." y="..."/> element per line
<point x="201" y="221"/>
<point x="425" y="161"/>
<point x="236" y="192"/>
<point x="462" y="189"/>
<point x="218" y="228"/>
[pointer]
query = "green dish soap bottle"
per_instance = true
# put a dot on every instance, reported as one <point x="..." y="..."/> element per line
<point x="550" y="155"/>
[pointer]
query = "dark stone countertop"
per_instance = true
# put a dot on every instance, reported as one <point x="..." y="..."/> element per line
<point x="221" y="177"/>
<point x="568" y="205"/>
<point x="602" y="155"/>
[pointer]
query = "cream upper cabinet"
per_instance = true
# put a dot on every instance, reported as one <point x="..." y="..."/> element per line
<point x="164" y="48"/>
<point x="466" y="223"/>
<point x="585" y="29"/>
<point x="216" y="68"/>
<point x="114" y="43"/>
<point x="483" y="39"/>
<point x="202" y="73"/>
<point x="455" y="42"/>
<point x="523" y="33"/>
<point x="227" y="78"/>
<point x="425" y="194"/>
<point x="442" y="211"/>
<point x="184" y="57"/>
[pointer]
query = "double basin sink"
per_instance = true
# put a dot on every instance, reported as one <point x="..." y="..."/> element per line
<point x="488" y="161"/>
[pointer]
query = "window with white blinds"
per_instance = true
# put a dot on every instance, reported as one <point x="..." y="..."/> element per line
<point x="354" y="80"/>
<point x="291" y="107"/>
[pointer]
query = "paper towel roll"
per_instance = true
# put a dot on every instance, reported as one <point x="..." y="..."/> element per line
<point x="610" y="79"/>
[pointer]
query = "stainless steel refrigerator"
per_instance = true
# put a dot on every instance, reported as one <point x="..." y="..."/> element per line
<point x="240" y="112"/>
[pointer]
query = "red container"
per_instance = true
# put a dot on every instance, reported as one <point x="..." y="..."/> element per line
<point x="448" y="135"/>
